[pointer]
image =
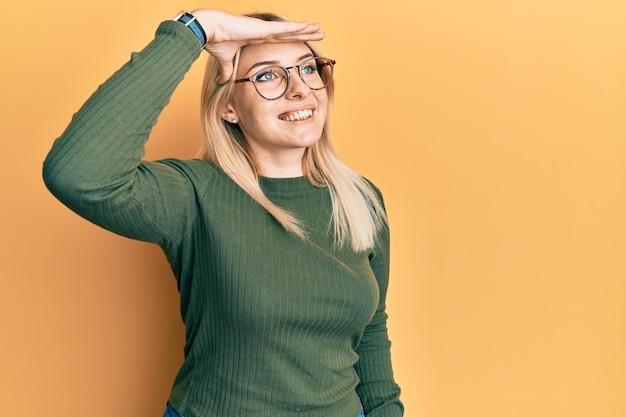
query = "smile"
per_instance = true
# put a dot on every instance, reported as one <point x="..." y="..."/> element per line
<point x="297" y="115"/>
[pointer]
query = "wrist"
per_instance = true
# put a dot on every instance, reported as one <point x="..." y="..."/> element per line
<point x="194" y="25"/>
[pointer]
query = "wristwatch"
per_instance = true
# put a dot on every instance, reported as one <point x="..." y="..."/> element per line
<point x="192" y="23"/>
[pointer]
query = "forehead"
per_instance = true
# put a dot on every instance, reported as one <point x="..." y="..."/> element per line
<point x="281" y="53"/>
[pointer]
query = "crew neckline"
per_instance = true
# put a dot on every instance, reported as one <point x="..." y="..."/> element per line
<point x="281" y="185"/>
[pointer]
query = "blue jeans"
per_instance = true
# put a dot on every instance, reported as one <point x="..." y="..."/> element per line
<point x="170" y="412"/>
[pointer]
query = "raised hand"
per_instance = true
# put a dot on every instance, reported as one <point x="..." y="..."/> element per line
<point x="227" y="32"/>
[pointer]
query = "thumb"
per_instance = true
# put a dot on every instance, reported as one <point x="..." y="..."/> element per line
<point x="226" y="72"/>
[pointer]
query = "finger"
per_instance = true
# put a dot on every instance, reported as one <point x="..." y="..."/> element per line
<point x="226" y="72"/>
<point x="290" y="37"/>
<point x="310" y="28"/>
<point x="293" y="27"/>
<point x="286" y="30"/>
<point x="318" y="36"/>
<point x="305" y="27"/>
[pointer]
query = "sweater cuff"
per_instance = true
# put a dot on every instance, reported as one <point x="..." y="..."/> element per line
<point x="187" y="38"/>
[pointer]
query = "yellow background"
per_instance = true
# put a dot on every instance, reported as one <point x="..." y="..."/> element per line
<point x="496" y="130"/>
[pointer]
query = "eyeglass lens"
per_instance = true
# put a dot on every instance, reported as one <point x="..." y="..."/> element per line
<point x="272" y="82"/>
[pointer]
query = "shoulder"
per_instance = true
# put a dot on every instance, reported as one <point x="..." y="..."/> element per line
<point x="195" y="169"/>
<point x="199" y="173"/>
<point x="375" y="189"/>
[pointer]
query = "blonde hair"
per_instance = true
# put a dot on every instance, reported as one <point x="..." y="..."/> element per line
<point x="357" y="210"/>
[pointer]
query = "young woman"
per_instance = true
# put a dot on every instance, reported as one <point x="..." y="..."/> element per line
<point x="281" y="252"/>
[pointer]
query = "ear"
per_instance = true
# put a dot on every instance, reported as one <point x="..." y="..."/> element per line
<point x="229" y="114"/>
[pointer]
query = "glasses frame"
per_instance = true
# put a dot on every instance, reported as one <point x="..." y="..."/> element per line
<point x="253" y="78"/>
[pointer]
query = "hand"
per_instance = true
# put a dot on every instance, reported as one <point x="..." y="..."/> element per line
<point x="226" y="33"/>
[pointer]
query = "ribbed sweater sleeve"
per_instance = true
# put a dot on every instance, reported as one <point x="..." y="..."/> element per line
<point x="377" y="389"/>
<point x="96" y="167"/>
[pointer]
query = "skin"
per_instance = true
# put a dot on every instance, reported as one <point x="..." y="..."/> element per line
<point x="277" y="144"/>
<point x="226" y="33"/>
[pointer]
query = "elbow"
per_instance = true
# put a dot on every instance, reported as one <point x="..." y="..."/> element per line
<point x="54" y="178"/>
<point x="61" y="178"/>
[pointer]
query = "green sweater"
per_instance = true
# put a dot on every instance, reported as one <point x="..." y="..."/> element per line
<point x="276" y="325"/>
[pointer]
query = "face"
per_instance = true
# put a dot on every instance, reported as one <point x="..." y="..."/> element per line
<point x="286" y="126"/>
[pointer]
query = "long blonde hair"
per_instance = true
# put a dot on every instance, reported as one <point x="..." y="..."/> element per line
<point x="357" y="210"/>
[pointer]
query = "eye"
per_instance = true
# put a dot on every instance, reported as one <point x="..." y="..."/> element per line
<point x="268" y="75"/>
<point x="308" y="69"/>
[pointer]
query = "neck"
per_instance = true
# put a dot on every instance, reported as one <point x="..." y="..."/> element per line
<point x="286" y="165"/>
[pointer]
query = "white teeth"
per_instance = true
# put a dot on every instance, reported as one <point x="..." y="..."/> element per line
<point x="298" y="115"/>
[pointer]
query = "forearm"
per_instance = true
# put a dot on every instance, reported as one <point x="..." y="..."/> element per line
<point x="377" y="388"/>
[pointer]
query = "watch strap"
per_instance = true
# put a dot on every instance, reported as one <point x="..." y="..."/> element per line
<point x="192" y="23"/>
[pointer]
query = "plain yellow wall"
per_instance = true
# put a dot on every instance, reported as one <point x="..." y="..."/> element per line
<point x="496" y="130"/>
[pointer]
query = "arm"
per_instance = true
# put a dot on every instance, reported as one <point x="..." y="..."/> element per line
<point x="378" y="391"/>
<point x="96" y="166"/>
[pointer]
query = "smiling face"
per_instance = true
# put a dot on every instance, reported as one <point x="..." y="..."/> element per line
<point x="277" y="130"/>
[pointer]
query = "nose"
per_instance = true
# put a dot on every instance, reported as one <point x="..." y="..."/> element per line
<point x="297" y="87"/>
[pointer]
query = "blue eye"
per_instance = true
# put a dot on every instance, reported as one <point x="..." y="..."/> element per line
<point x="308" y="70"/>
<point x="267" y="75"/>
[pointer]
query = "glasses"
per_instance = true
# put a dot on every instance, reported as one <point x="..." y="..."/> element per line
<point x="273" y="82"/>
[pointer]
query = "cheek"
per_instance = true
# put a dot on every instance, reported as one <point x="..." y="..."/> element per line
<point x="322" y="97"/>
<point x="246" y="108"/>
<point x="255" y="117"/>
<point x="322" y="100"/>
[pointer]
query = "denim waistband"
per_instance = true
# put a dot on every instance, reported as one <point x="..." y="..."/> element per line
<point x="170" y="412"/>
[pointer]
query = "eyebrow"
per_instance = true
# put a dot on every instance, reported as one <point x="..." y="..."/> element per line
<point x="263" y="63"/>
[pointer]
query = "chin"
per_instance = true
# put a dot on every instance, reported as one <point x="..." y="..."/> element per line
<point x="308" y="140"/>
